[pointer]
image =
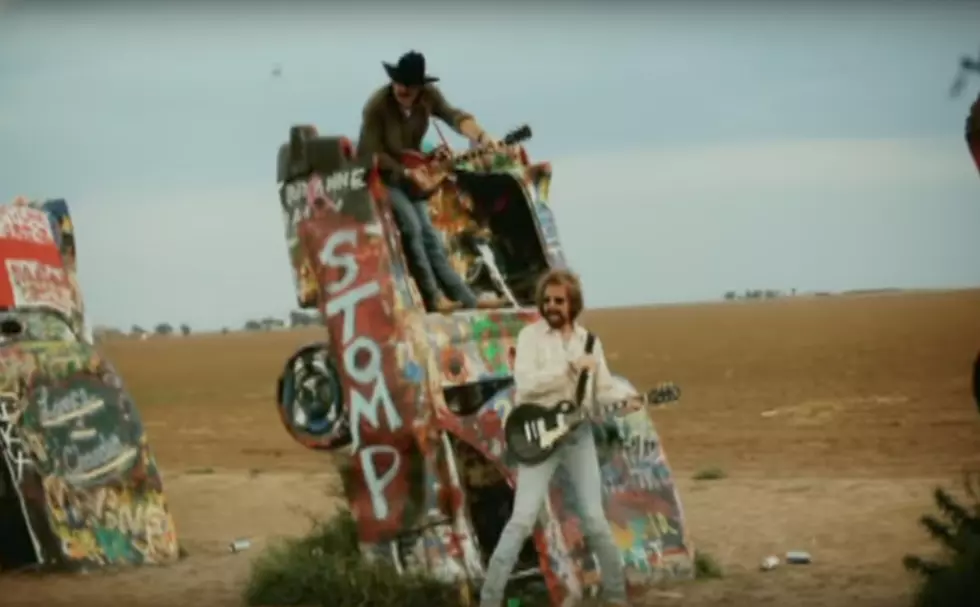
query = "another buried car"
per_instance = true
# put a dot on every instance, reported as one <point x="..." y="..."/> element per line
<point x="79" y="487"/>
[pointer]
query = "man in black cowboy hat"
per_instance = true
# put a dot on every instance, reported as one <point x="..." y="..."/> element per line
<point x="395" y="119"/>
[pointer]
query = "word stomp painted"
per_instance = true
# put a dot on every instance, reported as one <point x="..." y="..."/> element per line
<point x="364" y="333"/>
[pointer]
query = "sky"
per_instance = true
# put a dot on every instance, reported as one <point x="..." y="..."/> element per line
<point x="696" y="149"/>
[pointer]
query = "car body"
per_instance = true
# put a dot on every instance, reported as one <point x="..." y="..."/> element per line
<point x="418" y="398"/>
<point x="972" y="133"/>
<point x="81" y="488"/>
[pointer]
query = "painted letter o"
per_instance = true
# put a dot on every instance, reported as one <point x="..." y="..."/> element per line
<point x="370" y="371"/>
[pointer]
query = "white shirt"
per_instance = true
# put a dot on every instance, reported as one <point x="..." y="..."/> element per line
<point x="541" y="368"/>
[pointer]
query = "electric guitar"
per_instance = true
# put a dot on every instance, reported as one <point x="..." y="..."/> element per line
<point x="533" y="432"/>
<point x="438" y="165"/>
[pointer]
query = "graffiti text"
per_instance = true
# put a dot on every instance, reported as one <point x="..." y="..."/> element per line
<point x="362" y="364"/>
<point x="25" y="224"/>
<point x="108" y="455"/>
<point x="76" y="403"/>
<point x="351" y="179"/>
<point x="10" y="443"/>
<point x="36" y="283"/>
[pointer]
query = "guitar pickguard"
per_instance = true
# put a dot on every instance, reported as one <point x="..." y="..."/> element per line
<point x="551" y="426"/>
<point x="546" y="431"/>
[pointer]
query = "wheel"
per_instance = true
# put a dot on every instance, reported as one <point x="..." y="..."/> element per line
<point x="311" y="402"/>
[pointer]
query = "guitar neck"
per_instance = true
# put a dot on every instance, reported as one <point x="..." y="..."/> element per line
<point x="619" y="404"/>
<point x="468" y="155"/>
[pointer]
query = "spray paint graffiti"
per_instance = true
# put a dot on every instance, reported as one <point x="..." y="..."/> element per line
<point x="362" y="359"/>
<point x="102" y="486"/>
<point x="37" y="245"/>
<point x="73" y="441"/>
<point x="70" y="435"/>
<point x="346" y="245"/>
<point x="476" y="346"/>
<point x="11" y="444"/>
<point x="38" y="284"/>
<point x="109" y="526"/>
<point x="25" y="224"/>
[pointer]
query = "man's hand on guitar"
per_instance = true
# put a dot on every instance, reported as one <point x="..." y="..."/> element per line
<point x="442" y="153"/>
<point x="489" y="142"/>
<point x="583" y="363"/>
<point x="633" y="405"/>
<point x="421" y="177"/>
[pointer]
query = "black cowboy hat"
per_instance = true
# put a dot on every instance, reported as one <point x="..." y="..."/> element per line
<point x="410" y="70"/>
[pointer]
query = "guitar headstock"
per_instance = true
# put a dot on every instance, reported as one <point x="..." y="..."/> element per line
<point x="521" y="133"/>
<point x="664" y="393"/>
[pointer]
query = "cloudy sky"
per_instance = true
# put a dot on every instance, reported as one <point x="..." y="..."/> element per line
<point x="696" y="149"/>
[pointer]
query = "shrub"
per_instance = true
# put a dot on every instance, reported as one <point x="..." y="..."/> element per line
<point x="326" y="568"/>
<point x="954" y="579"/>
<point x="710" y="474"/>
<point x="706" y="567"/>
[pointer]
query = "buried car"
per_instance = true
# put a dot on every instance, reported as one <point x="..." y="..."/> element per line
<point x="79" y="487"/>
<point x="419" y="398"/>
<point x="972" y="135"/>
<point x="973" y="143"/>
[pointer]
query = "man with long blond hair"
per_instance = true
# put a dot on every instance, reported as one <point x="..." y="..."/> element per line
<point x="549" y="360"/>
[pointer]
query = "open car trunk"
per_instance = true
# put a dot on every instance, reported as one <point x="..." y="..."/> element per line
<point x="17" y="545"/>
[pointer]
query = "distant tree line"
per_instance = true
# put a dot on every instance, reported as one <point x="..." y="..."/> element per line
<point x="297" y="318"/>
<point x="757" y="294"/>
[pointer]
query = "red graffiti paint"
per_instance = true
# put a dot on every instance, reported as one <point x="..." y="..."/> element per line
<point x="352" y="264"/>
<point x="32" y="272"/>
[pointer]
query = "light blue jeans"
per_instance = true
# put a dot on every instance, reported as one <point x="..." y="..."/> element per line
<point x="578" y="456"/>
<point x="426" y="253"/>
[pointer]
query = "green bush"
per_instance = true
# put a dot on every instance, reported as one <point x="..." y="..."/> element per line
<point x="326" y="568"/>
<point x="706" y="567"/>
<point x="954" y="579"/>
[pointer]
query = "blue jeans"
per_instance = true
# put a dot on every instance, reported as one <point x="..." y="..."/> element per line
<point x="425" y="251"/>
<point x="578" y="456"/>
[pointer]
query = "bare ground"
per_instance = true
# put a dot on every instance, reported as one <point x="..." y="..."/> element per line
<point x="834" y="418"/>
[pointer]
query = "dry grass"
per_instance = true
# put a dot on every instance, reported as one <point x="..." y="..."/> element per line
<point x="832" y="417"/>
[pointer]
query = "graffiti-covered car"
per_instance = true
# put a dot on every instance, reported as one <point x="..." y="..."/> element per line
<point x="79" y="487"/>
<point x="973" y="143"/>
<point x="972" y="129"/>
<point x="972" y="135"/>
<point x="418" y="398"/>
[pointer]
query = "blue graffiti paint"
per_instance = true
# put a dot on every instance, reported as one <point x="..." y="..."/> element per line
<point x="413" y="372"/>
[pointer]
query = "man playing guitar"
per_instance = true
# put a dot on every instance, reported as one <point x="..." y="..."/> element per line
<point x="394" y="121"/>
<point x="549" y="359"/>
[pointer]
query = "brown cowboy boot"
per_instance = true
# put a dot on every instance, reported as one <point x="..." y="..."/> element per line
<point x="444" y="305"/>
<point x="492" y="303"/>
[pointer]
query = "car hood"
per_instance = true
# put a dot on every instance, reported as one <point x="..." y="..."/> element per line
<point x="72" y="410"/>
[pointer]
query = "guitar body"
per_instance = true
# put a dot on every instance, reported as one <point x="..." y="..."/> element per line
<point x="412" y="159"/>
<point x="438" y="166"/>
<point x="533" y="431"/>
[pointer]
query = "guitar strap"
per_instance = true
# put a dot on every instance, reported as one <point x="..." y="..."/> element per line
<point x="583" y="378"/>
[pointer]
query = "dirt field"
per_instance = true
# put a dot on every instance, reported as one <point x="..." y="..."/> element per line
<point x="833" y="417"/>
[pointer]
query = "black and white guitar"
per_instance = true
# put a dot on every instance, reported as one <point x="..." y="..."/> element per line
<point x="533" y="431"/>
